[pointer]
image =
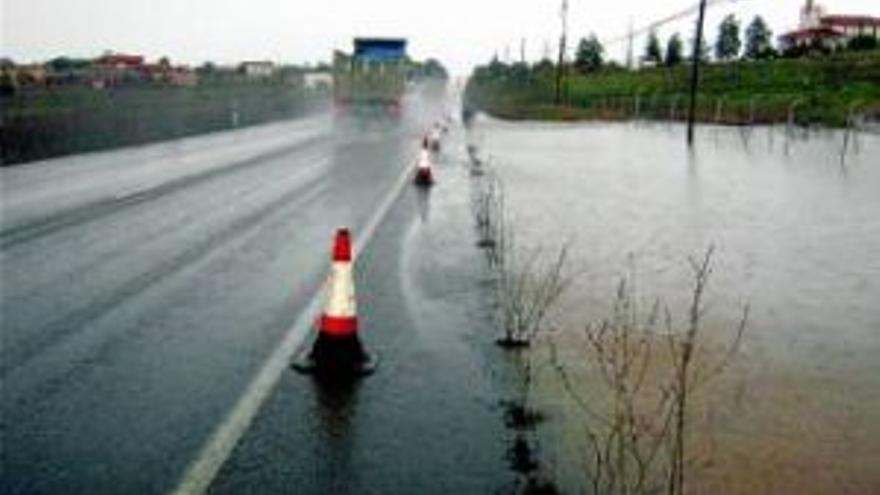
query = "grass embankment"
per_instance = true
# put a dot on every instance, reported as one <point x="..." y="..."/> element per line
<point x="39" y="123"/>
<point x="825" y="91"/>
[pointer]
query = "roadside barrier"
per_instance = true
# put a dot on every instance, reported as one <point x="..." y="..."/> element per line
<point x="337" y="351"/>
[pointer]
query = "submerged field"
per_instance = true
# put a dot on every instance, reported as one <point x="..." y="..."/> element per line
<point x="793" y="219"/>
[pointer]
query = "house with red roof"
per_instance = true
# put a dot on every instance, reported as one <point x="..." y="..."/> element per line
<point x="116" y="69"/>
<point x="120" y="61"/>
<point x="818" y="29"/>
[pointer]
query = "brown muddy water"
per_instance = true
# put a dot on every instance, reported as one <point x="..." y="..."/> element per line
<point x="795" y="222"/>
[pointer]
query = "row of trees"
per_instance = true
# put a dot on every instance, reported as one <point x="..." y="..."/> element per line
<point x="729" y="45"/>
<point x="758" y="45"/>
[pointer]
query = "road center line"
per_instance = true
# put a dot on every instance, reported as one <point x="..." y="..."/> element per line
<point x="214" y="453"/>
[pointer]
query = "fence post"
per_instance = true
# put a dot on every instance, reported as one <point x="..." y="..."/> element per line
<point x="673" y="106"/>
<point x="850" y="125"/>
<point x="790" y="122"/>
<point x="791" y="109"/>
<point x="752" y="110"/>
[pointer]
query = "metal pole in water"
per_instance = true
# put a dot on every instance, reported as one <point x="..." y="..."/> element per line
<point x="695" y="64"/>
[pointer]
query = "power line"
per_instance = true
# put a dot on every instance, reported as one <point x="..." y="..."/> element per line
<point x="653" y="26"/>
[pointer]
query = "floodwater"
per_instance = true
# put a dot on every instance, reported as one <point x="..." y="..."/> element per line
<point x="795" y="222"/>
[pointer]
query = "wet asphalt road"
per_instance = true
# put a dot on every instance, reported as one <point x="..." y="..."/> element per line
<point x="142" y="289"/>
<point x="429" y="420"/>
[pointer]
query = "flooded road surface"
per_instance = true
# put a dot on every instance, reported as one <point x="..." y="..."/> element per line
<point x="797" y="234"/>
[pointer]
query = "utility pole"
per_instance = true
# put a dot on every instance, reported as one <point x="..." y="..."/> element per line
<point x="561" y="59"/>
<point x="522" y="50"/>
<point x="629" y="45"/>
<point x="695" y="73"/>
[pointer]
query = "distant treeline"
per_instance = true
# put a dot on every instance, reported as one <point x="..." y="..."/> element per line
<point x="46" y="122"/>
<point x="829" y="90"/>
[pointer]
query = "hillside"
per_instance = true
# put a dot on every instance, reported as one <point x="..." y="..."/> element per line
<point x="825" y="90"/>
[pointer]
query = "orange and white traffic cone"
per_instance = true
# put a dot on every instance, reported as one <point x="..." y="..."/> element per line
<point x="337" y="351"/>
<point x="424" y="175"/>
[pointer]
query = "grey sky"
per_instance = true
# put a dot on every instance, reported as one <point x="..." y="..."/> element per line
<point x="458" y="32"/>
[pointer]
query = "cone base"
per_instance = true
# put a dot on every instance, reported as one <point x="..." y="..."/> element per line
<point x="424" y="179"/>
<point x="336" y="357"/>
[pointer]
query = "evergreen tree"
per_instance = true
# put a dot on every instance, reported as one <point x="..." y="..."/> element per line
<point x="673" y="50"/>
<point x="589" y="54"/>
<point x="759" y="42"/>
<point x="652" y="49"/>
<point x="728" y="44"/>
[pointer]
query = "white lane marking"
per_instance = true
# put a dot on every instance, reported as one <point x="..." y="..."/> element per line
<point x="202" y="471"/>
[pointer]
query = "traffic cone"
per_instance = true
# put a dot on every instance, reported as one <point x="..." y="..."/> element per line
<point x="432" y="139"/>
<point x="424" y="176"/>
<point x="337" y="351"/>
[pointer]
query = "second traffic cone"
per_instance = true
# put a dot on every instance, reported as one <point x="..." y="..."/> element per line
<point x="338" y="351"/>
<point x="432" y="139"/>
<point x="424" y="175"/>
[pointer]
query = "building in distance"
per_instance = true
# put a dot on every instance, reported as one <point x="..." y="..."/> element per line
<point x="816" y="29"/>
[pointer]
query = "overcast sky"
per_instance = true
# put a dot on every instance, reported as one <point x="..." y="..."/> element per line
<point x="460" y="33"/>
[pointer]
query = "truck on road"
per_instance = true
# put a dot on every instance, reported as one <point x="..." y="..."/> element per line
<point x="374" y="75"/>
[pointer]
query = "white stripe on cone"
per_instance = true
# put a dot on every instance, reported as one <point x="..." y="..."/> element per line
<point x="424" y="160"/>
<point x="341" y="301"/>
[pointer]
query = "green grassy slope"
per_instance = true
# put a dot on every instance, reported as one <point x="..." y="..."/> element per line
<point x="819" y="90"/>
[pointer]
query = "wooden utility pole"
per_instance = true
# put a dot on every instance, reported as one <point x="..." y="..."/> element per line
<point x="561" y="60"/>
<point x="629" y="45"/>
<point x="695" y="72"/>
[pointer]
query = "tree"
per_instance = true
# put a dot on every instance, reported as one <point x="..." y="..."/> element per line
<point x="728" y="44"/>
<point x="673" y="51"/>
<point x="67" y="64"/>
<point x="7" y="83"/>
<point x="589" y="54"/>
<point x="432" y="68"/>
<point x="862" y="42"/>
<point x="545" y="67"/>
<point x="519" y="71"/>
<point x="652" y="49"/>
<point x="496" y="68"/>
<point x="758" y="39"/>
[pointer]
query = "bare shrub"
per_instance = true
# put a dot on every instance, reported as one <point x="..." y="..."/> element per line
<point x="489" y="215"/>
<point x="636" y="428"/>
<point x="689" y="371"/>
<point x="529" y="284"/>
